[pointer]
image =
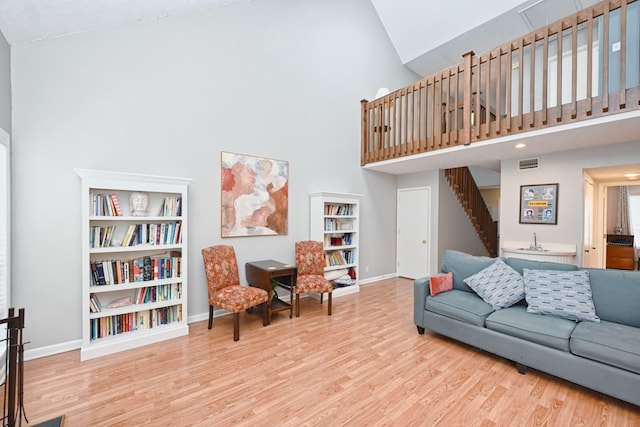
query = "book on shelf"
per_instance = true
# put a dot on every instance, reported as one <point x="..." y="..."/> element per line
<point x="336" y="241"/>
<point x="171" y="206"/>
<point x="116" y="204"/>
<point x="127" y="235"/>
<point x="94" y="304"/>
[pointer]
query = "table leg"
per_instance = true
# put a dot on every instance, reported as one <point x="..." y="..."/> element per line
<point x="266" y="313"/>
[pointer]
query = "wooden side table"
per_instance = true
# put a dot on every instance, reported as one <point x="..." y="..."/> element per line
<point x="261" y="273"/>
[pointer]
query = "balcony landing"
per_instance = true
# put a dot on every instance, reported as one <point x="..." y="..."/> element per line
<point x="600" y="131"/>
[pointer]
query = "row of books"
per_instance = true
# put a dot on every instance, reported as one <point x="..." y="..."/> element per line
<point x="342" y="240"/>
<point x="338" y="209"/>
<point x="333" y="224"/>
<point x="141" y="320"/>
<point x="100" y="237"/>
<point x="153" y="234"/>
<point x="137" y="234"/>
<point x="171" y="206"/>
<point x="109" y="205"/>
<point x="168" y="292"/>
<point x="115" y="272"/>
<point x="105" y="205"/>
<point x="144" y="295"/>
<point x="339" y="258"/>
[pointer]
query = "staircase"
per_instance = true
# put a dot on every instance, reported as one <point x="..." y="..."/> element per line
<point x="468" y="194"/>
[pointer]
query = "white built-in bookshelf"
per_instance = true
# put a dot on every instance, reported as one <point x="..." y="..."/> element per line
<point x="134" y="264"/>
<point x="334" y="220"/>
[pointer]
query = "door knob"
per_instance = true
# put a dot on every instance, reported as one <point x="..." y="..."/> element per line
<point x="424" y="242"/>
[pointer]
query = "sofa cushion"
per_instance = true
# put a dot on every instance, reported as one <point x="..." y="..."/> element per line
<point x="546" y="330"/>
<point x="608" y="342"/>
<point x="463" y="265"/>
<point x="460" y="305"/>
<point x="519" y="264"/>
<point x="498" y="285"/>
<point x="440" y="283"/>
<point x="615" y="295"/>
<point x="564" y="294"/>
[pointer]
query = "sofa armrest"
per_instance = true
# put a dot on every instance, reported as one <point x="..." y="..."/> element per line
<point x="420" y="293"/>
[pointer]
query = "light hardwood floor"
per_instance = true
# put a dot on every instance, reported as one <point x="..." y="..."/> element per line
<point x="364" y="365"/>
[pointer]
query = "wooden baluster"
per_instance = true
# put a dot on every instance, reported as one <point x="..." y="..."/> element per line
<point x="466" y="102"/>
<point x="498" y="90"/>
<point x="405" y="123"/>
<point x="508" y="87"/>
<point x="574" y="67"/>
<point x="545" y="73"/>
<point x="559" y="75"/>
<point x="415" y="122"/>
<point x="393" y="124"/>
<point x="476" y="107"/>
<point x="605" y="58"/>
<point x="433" y="113"/>
<point x="521" y="84"/>
<point x="623" y="55"/>
<point x="487" y="98"/>
<point x="532" y="80"/>
<point x="364" y="134"/>
<point x="590" y="63"/>
<point x="419" y="118"/>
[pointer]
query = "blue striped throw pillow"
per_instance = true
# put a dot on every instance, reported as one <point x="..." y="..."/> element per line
<point x="564" y="294"/>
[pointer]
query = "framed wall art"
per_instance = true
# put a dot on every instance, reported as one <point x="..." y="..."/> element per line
<point x="254" y="196"/>
<point x="539" y="204"/>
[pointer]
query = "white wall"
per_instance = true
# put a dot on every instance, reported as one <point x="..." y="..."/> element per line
<point x="5" y="85"/>
<point x="564" y="168"/>
<point x="281" y="79"/>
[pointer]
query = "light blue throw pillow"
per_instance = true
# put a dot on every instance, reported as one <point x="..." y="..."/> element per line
<point x="564" y="294"/>
<point x="498" y="285"/>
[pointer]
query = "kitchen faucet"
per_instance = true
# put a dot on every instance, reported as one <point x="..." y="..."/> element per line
<point x="535" y="246"/>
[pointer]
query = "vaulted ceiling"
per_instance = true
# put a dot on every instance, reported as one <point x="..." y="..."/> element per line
<point x="428" y="35"/>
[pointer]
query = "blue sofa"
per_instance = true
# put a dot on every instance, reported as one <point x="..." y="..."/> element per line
<point x="603" y="356"/>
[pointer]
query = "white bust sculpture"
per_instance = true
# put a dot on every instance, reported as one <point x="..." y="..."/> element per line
<point x="139" y="203"/>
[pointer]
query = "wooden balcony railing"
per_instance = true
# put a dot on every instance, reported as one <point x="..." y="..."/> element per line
<point x="518" y="87"/>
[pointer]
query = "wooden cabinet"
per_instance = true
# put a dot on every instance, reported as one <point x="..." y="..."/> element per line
<point x="134" y="260"/>
<point x="621" y="253"/>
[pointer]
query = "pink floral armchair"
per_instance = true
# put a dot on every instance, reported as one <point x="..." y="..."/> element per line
<point x="224" y="286"/>
<point x="310" y="263"/>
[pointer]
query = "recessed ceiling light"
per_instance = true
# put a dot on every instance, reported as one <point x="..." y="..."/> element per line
<point x="632" y="175"/>
<point x="521" y="145"/>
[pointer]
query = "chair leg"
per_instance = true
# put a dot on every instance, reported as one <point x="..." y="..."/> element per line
<point x="297" y="305"/>
<point x="329" y="304"/>
<point x="210" y="316"/>
<point x="236" y="326"/>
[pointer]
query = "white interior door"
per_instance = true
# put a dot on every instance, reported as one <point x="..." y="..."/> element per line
<point x="590" y="254"/>
<point x="413" y="232"/>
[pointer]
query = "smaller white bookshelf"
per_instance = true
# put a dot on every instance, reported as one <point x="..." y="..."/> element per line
<point x="134" y="263"/>
<point x="335" y="221"/>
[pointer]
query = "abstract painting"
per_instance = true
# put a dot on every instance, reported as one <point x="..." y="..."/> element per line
<point x="255" y="196"/>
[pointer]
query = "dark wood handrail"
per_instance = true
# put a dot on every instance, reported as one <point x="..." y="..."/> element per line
<point x="464" y="187"/>
<point x="517" y="87"/>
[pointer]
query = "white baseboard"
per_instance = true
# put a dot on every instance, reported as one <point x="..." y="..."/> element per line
<point x="377" y="278"/>
<point x="50" y="350"/>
